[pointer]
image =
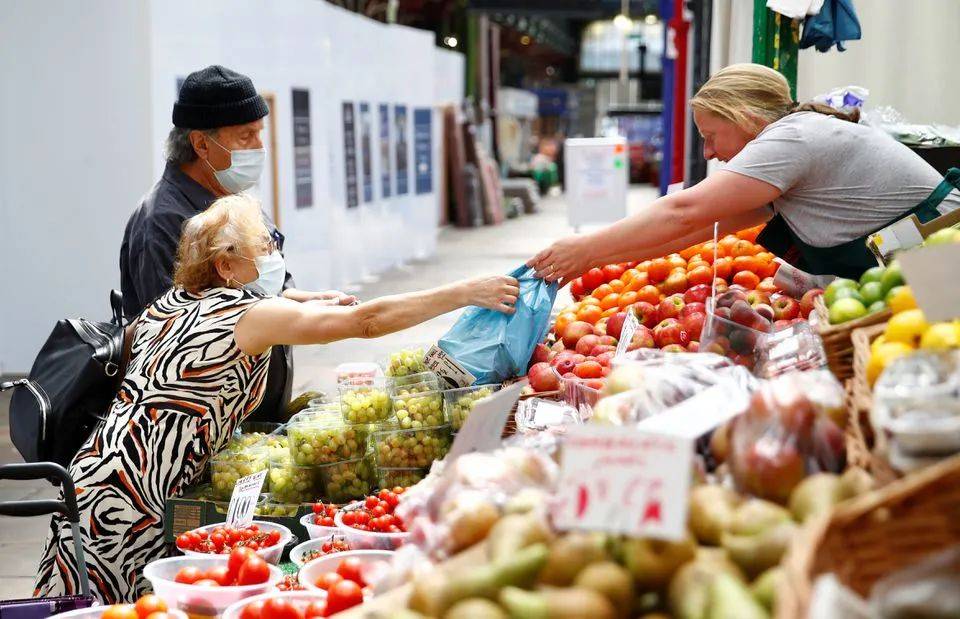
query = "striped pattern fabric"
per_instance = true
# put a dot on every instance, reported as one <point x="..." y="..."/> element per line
<point x="186" y="389"/>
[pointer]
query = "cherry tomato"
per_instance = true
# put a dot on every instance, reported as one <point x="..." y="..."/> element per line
<point x="399" y="490"/>
<point x="343" y="595"/>
<point x="188" y="575"/>
<point x="221" y="574"/>
<point x="377" y="511"/>
<point x="253" y="610"/>
<point x="149" y="604"/>
<point x="350" y="570"/>
<point x="253" y="545"/>
<point x="218" y="540"/>
<point x="349" y="518"/>
<point x="273" y="537"/>
<point x="392" y="500"/>
<point x="183" y="541"/>
<point x="120" y="611"/>
<point x="316" y="609"/>
<point x="237" y="558"/>
<point x="328" y="580"/>
<point x="254" y="571"/>
<point x="371" y="502"/>
<point x="318" y="508"/>
<point x="280" y="608"/>
<point x="206" y="582"/>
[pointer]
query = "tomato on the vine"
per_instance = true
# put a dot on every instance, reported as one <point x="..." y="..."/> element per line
<point x="254" y="571"/>
<point x="343" y="595"/>
<point x="280" y="608"/>
<point x="351" y="569"/>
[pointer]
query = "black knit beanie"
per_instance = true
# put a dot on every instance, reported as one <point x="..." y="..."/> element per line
<point x="217" y="97"/>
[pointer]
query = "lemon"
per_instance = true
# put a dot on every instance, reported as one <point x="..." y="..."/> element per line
<point x="900" y="299"/>
<point x="907" y="327"/>
<point x="940" y="336"/>
<point x="879" y="341"/>
<point x="882" y="356"/>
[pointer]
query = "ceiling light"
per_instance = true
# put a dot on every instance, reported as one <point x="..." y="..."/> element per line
<point x="450" y="41"/>
<point x="525" y="40"/>
<point x="651" y="19"/>
<point x="622" y="22"/>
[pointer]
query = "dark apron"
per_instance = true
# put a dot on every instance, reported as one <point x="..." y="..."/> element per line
<point x="848" y="259"/>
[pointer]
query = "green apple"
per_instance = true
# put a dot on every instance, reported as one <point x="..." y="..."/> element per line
<point x="892" y="277"/>
<point x="871" y="292"/>
<point x="847" y="293"/>
<point x="830" y="293"/>
<point x="845" y="310"/>
<point x="871" y="275"/>
<point x="944" y="236"/>
<point x="876" y="306"/>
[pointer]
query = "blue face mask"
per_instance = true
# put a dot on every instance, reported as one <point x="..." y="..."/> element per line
<point x="272" y="271"/>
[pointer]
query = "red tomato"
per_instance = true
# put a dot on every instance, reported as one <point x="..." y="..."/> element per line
<point x="349" y="518"/>
<point x="221" y="574"/>
<point x="593" y="278"/>
<point x="316" y="609"/>
<point x="577" y="288"/>
<point x="328" y="580"/>
<point x="273" y="537"/>
<point x="238" y="557"/>
<point x="280" y="608"/>
<point x="343" y="595"/>
<point x="188" y="575"/>
<point x="254" y="571"/>
<point x="149" y="604"/>
<point x="120" y="611"/>
<point x="612" y="271"/>
<point x="218" y="540"/>
<point x="253" y="610"/>
<point x="350" y="569"/>
<point x="183" y="541"/>
<point x="159" y="615"/>
<point x="206" y="582"/>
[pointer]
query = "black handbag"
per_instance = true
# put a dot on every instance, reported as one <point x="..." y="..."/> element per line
<point x="69" y="389"/>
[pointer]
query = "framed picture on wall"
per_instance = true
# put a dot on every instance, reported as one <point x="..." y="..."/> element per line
<point x="366" y="151"/>
<point x="302" y="160"/>
<point x="350" y="155"/>
<point x="400" y="137"/>
<point x="385" y="177"/>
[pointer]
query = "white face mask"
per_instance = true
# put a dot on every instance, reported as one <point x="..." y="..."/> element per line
<point x="245" y="169"/>
<point x="272" y="271"/>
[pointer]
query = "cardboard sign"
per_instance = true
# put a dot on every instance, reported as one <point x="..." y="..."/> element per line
<point x="447" y="368"/>
<point x="243" y="501"/>
<point x="624" y="480"/>
<point x="932" y="275"/>
<point x="483" y="429"/>
<point x="626" y="334"/>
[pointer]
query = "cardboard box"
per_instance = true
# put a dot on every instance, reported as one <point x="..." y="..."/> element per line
<point x="906" y="233"/>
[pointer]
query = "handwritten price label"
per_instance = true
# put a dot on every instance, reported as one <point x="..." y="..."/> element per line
<point x="623" y="480"/>
<point x="243" y="501"/>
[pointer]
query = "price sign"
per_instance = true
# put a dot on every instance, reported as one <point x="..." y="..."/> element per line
<point x="483" y="429"/>
<point x="623" y="480"/>
<point x="447" y="368"/>
<point x="243" y="501"/>
<point x="626" y="333"/>
<point x="927" y="269"/>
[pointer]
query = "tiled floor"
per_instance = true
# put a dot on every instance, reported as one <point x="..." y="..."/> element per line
<point x="460" y="254"/>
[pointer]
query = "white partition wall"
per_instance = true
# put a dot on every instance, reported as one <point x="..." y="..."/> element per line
<point x="84" y="121"/>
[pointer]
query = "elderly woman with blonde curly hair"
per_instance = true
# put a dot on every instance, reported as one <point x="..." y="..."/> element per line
<point x="198" y="366"/>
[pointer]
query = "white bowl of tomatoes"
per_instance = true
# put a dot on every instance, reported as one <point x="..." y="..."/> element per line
<point x="371" y="524"/>
<point x="320" y="521"/>
<point x="345" y="576"/>
<point x="280" y="605"/>
<point x="267" y="539"/>
<point x="207" y="585"/>
<point x="312" y="549"/>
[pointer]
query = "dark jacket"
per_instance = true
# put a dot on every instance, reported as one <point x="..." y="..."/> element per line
<point x="147" y="257"/>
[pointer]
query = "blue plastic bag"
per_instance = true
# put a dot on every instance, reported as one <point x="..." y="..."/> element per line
<point x="494" y="346"/>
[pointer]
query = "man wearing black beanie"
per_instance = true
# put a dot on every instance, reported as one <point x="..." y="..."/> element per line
<point x="214" y="149"/>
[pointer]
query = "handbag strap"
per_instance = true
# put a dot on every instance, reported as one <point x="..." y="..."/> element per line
<point x="950" y="182"/>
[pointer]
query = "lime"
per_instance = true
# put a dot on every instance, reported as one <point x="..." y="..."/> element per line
<point x="943" y="237"/>
<point x="871" y="292"/>
<point x="845" y="310"/>
<point x="892" y="277"/>
<point x="848" y="293"/>
<point x="876" y="306"/>
<point x="871" y="275"/>
<point x="830" y="293"/>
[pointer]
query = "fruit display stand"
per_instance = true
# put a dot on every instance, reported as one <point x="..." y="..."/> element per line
<point x="837" y="340"/>
<point x="874" y="535"/>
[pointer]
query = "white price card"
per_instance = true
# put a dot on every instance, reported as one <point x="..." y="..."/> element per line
<point x="243" y="501"/>
<point x="447" y="368"/>
<point x="483" y="429"/>
<point x="926" y="270"/>
<point x="626" y="333"/>
<point x="623" y="480"/>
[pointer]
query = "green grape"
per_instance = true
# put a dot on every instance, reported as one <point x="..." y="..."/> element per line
<point x="391" y="478"/>
<point x="277" y="510"/>
<point x="459" y="407"/>
<point x="346" y="481"/>
<point x="418" y="409"/>
<point x="325" y="442"/>
<point x="415" y="448"/>
<point x="292" y="484"/>
<point x="406" y="362"/>
<point x="226" y="469"/>
<point x="365" y="404"/>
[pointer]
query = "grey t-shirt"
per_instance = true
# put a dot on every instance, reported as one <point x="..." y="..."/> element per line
<point x="840" y="180"/>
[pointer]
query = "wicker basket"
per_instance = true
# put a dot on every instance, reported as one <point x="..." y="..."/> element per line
<point x="836" y="338"/>
<point x="874" y="535"/>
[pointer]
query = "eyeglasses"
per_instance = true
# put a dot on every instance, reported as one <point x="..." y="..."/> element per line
<point x="276" y="240"/>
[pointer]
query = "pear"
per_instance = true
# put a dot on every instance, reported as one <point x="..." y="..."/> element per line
<point x="611" y="580"/>
<point x="764" y="588"/>
<point x="815" y="495"/>
<point x="570" y="554"/>
<point x="757" y="515"/>
<point x="711" y="512"/>
<point x="572" y="603"/>
<point x="730" y="599"/>
<point x="854" y="482"/>
<point x="514" y="532"/>
<point x="689" y="593"/>
<point x="761" y="551"/>
<point x="653" y="562"/>
<point x="476" y="608"/>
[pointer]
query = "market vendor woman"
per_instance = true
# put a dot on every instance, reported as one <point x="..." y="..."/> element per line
<point x="821" y="180"/>
<point x="198" y="365"/>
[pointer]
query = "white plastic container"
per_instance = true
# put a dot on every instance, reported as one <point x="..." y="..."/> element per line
<point x="270" y="554"/>
<point x="363" y="369"/>
<point x="315" y="531"/>
<point x="318" y="567"/>
<point x="201" y="601"/>
<point x="304" y="597"/>
<point x="368" y="540"/>
<point x="94" y="612"/>
<point x="299" y="552"/>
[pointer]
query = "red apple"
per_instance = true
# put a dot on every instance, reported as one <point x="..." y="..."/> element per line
<point x="565" y="365"/>
<point x="671" y="307"/>
<point x="767" y="285"/>
<point x="719" y="345"/>
<point x="741" y="313"/>
<point x="674" y="348"/>
<point x="615" y="324"/>
<point x="599" y="349"/>
<point x="541" y="354"/>
<point x="755" y="298"/>
<point x="606" y="358"/>
<point x="722" y="312"/>
<point x="693" y="308"/>
<point x="608" y="340"/>
<point x="670" y="331"/>
<point x="646" y="313"/>
<point x="764" y="311"/>
<point x="739" y="288"/>
<point x="693" y="325"/>
<point x="720" y="285"/>
<point x="642" y="338"/>
<point x="829" y="445"/>
<point x="731" y="296"/>
<point x="588" y="369"/>
<point x="543" y="378"/>
<point x="574" y="331"/>
<point x="806" y="301"/>
<point x="693" y="346"/>
<point x="697" y="294"/>
<point x="771" y="470"/>
<point x="785" y="308"/>
<point x="586" y="343"/>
